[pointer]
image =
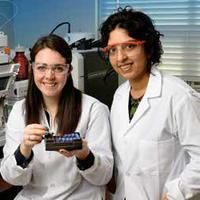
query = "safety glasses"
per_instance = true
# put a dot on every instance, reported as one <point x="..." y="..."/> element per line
<point x="126" y="47"/>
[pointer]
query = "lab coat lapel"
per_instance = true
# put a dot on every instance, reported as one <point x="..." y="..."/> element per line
<point x="141" y="110"/>
<point x="124" y="107"/>
<point x="153" y="91"/>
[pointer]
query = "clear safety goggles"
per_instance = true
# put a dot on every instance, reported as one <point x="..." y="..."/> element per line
<point x="58" y="69"/>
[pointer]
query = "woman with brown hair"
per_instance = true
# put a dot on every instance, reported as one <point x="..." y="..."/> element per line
<point x="54" y="104"/>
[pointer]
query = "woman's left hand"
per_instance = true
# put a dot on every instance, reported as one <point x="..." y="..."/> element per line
<point x="80" y="153"/>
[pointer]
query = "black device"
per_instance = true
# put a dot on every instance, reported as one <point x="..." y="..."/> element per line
<point x="69" y="142"/>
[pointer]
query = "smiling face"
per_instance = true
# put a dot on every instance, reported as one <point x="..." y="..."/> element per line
<point x="128" y="60"/>
<point x="49" y="83"/>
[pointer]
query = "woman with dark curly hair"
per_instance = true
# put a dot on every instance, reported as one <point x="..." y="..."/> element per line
<point x="155" y="117"/>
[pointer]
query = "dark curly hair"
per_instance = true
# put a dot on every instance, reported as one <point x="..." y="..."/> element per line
<point x="139" y="26"/>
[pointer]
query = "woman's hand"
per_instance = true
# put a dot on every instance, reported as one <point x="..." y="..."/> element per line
<point x="80" y="153"/>
<point x="33" y="134"/>
<point x="164" y="197"/>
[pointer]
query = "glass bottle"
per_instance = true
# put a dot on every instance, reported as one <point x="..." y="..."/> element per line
<point x="23" y="62"/>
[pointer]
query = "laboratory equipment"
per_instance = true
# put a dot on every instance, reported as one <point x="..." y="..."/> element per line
<point x="8" y="74"/>
<point x="69" y="142"/>
<point x="90" y="72"/>
<point x="4" y="57"/>
<point x="18" y="91"/>
<point x="77" y="36"/>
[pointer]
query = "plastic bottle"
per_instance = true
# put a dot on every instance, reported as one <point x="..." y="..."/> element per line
<point x="7" y="51"/>
<point x="23" y="62"/>
<point x="4" y="57"/>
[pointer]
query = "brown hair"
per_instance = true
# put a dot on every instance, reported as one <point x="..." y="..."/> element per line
<point x="70" y="104"/>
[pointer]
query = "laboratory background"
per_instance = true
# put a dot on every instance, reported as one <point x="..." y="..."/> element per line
<point x="22" y="22"/>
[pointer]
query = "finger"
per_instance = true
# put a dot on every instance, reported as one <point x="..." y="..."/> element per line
<point x="35" y="138"/>
<point x="34" y="131"/>
<point x="36" y="126"/>
<point x="164" y="197"/>
<point x="66" y="153"/>
<point x="29" y="142"/>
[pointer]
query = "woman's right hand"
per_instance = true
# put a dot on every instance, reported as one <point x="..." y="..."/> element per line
<point x="164" y="197"/>
<point x="33" y="134"/>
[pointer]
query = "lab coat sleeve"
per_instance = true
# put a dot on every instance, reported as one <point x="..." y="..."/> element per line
<point x="98" y="137"/>
<point x="10" y="171"/>
<point x="187" y="117"/>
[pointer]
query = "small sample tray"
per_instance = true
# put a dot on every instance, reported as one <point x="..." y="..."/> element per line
<point x="69" y="142"/>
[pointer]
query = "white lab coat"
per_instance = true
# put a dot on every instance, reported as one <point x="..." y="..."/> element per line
<point x="50" y="175"/>
<point x="158" y="151"/>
